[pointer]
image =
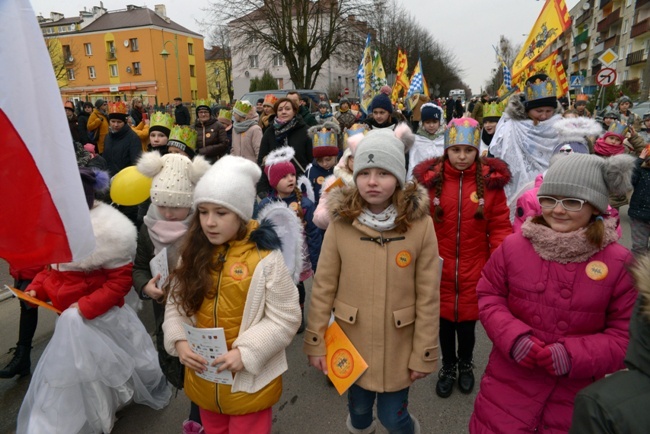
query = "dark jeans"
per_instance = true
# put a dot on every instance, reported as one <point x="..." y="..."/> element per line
<point x="28" y="317"/>
<point x="466" y="339"/>
<point x="301" y="293"/>
<point x="392" y="409"/>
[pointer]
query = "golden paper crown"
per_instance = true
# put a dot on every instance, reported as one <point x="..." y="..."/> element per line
<point x="492" y="110"/>
<point x="203" y="102"/>
<point x="582" y="97"/>
<point x="183" y="134"/>
<point x="161" y="120"/>
<point x="225" y="114"/>
<point x="270" y="100"/>
<point x="242" y="108"/>
<point x="117" y="107"/>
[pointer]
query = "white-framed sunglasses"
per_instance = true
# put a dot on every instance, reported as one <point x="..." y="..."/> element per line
<point x="568" y="203"/>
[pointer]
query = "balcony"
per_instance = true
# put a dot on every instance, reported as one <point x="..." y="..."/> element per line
<point x="584" y="17"/>
<point x="599" y="48"/>
<point x="581" y="38"/>
<point x="604" y="3"/>
<point x="641" y="3"/>
<point x="609" y="20"/>
<point x="611" y="42"/>
<point x="640" y="28"/>
<point x="635" y="57"/>
<point x="111" y="55"/>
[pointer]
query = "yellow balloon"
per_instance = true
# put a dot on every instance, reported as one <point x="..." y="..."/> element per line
<point x="130" y="187"/>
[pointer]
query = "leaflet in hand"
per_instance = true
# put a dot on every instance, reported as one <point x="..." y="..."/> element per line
<point x="209" y="344"/>
<point x="160" y="266"/>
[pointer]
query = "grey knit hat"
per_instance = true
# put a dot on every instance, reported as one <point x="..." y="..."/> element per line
<point x="589" y="177"/>
<point x="382" y="149"/>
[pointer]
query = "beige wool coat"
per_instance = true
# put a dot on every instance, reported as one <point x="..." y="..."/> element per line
<point x="383" y="289"/>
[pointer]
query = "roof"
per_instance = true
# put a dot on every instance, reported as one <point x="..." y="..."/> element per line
<point x="62" y="22"/>
<point x="134" y="17"/>
<point x="216" y="53"/>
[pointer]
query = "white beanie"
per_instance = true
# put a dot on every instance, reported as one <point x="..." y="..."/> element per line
<point x="231" y="182"/>
<point x="174" y="177"/>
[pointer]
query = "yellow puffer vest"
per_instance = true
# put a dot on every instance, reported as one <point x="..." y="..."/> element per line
<point x="226" y="310"/>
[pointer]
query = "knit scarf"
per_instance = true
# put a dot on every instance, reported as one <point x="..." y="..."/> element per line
<point x="282" y="129"/>
<point x="384" y="221"/>
<point x="326" y="115"/>
<point x="603" y="148"/>
<point x="565" y="247"/>
<point x="242" y="127"/>
<point x="439" y="133"/>
<point x="166" y="234"/>
<point x="486" y="137"/>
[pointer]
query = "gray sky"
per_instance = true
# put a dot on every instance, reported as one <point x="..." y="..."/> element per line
<point x="468" y="28"/>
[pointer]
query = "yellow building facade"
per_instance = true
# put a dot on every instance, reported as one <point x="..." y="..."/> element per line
<point x="218" y="68"/>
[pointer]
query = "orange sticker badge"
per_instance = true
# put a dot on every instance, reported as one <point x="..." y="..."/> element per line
<point x="403" y="259"/>
<point x="294" y="206"/>
<point x="342" y="363"/>
<point x="320" y="180"/>
<point x="239" y="271"/>
<point x="596" y="270"/>
<point x="473" y="197"/>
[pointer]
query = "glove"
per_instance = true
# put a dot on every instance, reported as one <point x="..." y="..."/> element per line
<point x="555" y="359"/>
<point x="526" y="349"/>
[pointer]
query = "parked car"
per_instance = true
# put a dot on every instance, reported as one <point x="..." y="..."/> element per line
<point x="315" y="96"/>
<point x="641" y="108"/>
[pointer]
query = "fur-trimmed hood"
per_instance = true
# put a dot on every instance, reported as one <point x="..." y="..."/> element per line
<point x="517" y="111"/>
<point x="495" y="172"/>
<point x="115" y="241"/>
<point x="415" y="205"/>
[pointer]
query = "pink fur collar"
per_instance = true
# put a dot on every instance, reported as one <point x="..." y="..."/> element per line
<point x="565" y="247"/>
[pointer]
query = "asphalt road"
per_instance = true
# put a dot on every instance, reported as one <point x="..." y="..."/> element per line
<point x="308" y="404"/>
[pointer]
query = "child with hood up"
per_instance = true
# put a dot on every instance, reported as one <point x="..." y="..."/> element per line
<point x="430" y="137"/>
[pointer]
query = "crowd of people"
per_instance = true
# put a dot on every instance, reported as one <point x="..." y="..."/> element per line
<point x="414" y="222"/>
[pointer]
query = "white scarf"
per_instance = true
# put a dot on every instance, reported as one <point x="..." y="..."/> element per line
<point x="384" y="221"/>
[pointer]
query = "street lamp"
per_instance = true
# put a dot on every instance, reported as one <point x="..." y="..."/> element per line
<point x="165" y="54"/>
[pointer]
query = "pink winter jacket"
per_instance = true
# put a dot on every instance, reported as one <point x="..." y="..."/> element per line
<point x="520" y="293"/>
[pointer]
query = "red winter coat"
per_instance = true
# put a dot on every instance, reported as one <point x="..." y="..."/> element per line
<point x="465" y="243"/>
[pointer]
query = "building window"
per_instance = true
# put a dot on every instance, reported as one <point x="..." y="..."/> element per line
<point x="625" y="75"/>
<point x="91" y="72"/>
<point x="278" y="60"/>
<point x="67" y="54"/>
<point x="190" y="49"/>
<point x="113" y="70"/>
<point x="647" y="46"/>
<point x="88" y="48"/>
<point x="253" y="61"/>
<point x="110" y="50"/>
<point x="216" y="71"/>
<point x="70" y="72"/>
<point x="192" y="71"/>
<point x="136" y="68"/>
<point x="625" y="24"/>
<point x="133" y="42"/>
<point x="280" y="82"/>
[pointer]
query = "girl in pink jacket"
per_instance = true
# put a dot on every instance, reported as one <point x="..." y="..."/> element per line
<point x="555" y="299"/>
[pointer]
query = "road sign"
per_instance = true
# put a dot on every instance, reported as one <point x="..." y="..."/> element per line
<point x="347" y="91"/>
<point x="606" y="77"/>
<point x="577" y="80"/>
<point x="608" y="57"/>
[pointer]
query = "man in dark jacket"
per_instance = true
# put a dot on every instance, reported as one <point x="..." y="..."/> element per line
<point x="181" y="112"/>
<point x="450" y="105"/>
<point x="72" y="121"/>
<point x="211" y="138"/>
<point x="619" y="403"/>
<point x="82" y="122"/>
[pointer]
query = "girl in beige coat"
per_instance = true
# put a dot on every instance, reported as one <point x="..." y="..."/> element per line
<point x="379" y="275"/>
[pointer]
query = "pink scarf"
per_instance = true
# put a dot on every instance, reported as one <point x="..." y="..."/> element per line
<point x="607" y="150"/>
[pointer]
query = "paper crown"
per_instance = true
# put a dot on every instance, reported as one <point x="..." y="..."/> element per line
<point x="161" y="120"/>
<point x="184" y="138"/>
<point x="462" y="131"/>
<point x="325" y="140"/>
<point x="270" y="100"/>
<point x="582" y="97"/>
<point x="242" y="108"/>
<point x="225" y="114"/>
<point x="618" y="128"/>
<point x="352" y="131"/>
<point x="540" y="88"/>
<point x="492" y="110"/>
<point x="117" y="107"/>
<point x="203" y="103"/>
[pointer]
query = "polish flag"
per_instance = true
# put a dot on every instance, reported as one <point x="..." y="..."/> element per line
<point x="44" y="217"/>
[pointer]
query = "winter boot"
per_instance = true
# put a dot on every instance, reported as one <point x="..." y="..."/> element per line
<point x="370" y="430"/>
<point x="20" y="365"/>
<point x="302" y="322"/>
<point x="465" y="376"/>
<point x="191" y="427"/>
<point x="446" y="380"/>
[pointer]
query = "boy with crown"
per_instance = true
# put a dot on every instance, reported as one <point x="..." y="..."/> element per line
<point x="182" y="140"/>
<point x="160" y="127"/>
<point x="492" y="112"/>
<point x="325" y="151"/>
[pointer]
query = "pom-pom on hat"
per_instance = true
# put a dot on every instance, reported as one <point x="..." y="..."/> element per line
<point x="117" y="110"/>
<point x="431" y="112"/>
<point x="589" y="177"/>
<point x="183" y="138"/>
<point x="384" y="149"/>
<point x="162" y="122"/>
<point x="231" y="182"/>
<point x="381" y="101"/>
<point x="270" y="100"/>
<point x="242" y="108"/>
<point x="462" y="131"/>
<point x="93" y="180"/>
<point x="325" y="139"/>
<point x="278" y="164"/>
<point x="540" y="91"/>
<point x="174" y="177"/>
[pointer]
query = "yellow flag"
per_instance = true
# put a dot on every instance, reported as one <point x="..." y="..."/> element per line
<point x="551" y="22"/>
<point x="401" y="80"/>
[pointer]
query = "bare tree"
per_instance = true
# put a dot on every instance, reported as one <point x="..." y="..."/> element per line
<point x="63" y="58"/>
<point x="220" y="40"/>
<point x="305" y="33"/>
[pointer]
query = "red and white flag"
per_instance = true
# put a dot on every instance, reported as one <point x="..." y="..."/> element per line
<point x="44" y="217"/>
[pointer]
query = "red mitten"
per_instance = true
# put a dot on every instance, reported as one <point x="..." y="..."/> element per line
<point x="555" y="359"/>
<point x="526" y="349"/>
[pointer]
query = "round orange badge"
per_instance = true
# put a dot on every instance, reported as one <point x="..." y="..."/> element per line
<point x="320" y="180"/>
<point x="342" y="363"/>
<point x="403" y="259"/>
<point x="239" y="271"/>
<point x="208" y="135"/>
<point x="473" y="197"/>
<point x="294" y="206"/>
<point x="596" y="270"/>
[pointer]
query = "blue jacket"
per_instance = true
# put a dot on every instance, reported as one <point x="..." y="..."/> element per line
<point x="317" y="175"/>
<point x="313" y="235"/>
